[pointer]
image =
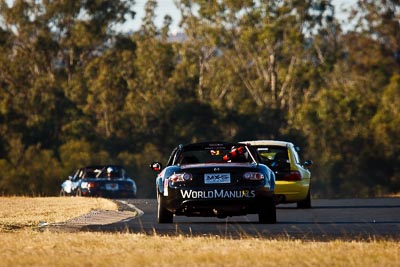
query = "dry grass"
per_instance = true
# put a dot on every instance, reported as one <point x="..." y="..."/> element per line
<point x="27" y="247"/>
<point x="125" y="249"/>
<point x="26" y="212"/>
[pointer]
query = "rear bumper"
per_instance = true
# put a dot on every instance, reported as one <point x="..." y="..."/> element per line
<point x="289" y="192"/>
<point x="217" y="202"/>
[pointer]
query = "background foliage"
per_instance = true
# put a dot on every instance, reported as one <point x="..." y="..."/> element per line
<point x="73" y="91"/>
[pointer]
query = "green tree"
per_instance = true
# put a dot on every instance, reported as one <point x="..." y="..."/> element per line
<point x="29" y="171"/>
<point x="149" y="97"/>
<point x="340" y="119"/>
<point x="45" y="48"/>
<point x="76" y="92"/>
<point x="386" y="126"/>
<point x="335" y="121"/>
<point x="247" y="56"/>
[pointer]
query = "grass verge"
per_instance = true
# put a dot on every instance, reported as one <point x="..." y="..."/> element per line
<point x="17" y="213"/>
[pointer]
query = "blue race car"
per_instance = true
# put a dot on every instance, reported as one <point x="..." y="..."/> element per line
<point x="109" y="181"/>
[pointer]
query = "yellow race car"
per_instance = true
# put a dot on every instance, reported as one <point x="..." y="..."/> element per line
<point x="293" y="179"/>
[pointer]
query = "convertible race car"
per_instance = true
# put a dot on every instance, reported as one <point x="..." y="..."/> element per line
<point x="100" y="181"/>
<point x="215" y="179"/>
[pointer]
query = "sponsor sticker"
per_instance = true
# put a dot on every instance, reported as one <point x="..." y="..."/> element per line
<point x="217" y="178"/>
<point x="194" y="194"/>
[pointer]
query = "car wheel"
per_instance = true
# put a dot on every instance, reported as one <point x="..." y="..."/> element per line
<point x="305" y="203"/>
<point x="163" y="215"/>
<point x="62" y="193"/>
<point x="78" y="192"/>
<point x="267" y="213"/>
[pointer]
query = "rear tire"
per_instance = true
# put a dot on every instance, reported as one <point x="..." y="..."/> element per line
<point x="78" y="192"/>
<point x="305" y="203"/>
<point x="267" y="213"/>
<point x="63" y="193"/>
<point x="163" y="215"/>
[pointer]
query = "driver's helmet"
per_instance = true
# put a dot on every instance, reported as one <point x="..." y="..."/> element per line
<point x="110" y="170"/>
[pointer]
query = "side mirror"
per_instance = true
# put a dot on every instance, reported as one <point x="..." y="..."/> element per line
<point x="308" y="163"/>
<point x="156" y="166"/>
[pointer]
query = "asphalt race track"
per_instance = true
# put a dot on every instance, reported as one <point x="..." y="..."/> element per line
<point x="328" y="219"/>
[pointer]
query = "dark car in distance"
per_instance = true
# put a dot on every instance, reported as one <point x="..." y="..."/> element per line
<point x="109" y="181"/>
<point x="214" y="179"/>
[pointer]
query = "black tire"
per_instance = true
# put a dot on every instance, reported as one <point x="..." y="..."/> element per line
<point x="267" y="213"/>
<point x="305" y="203"/>
<point x="78" y="192"/>
<point x="163" y="215"/>
<point x="63" y="193"/>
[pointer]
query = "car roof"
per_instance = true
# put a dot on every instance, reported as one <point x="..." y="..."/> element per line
<point x="102" y="166"/>
<point x="212" y="145"/>
<point x="268" y="143"/>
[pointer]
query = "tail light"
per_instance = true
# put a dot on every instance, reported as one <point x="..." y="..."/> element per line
<point x="292" y="176"/>
<point x="92" y="185"/>
<point x="180" y="177"/>
<point x="253" y="176"/>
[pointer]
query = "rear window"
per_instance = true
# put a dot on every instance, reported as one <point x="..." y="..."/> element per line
<point x="273" y="153"/>
<point x="275" y="157"/>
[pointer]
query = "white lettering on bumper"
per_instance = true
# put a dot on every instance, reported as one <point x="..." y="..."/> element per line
<point x="217" y="194"/>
